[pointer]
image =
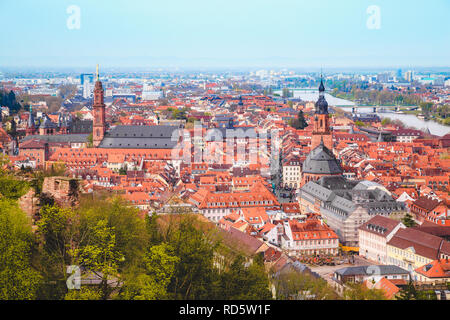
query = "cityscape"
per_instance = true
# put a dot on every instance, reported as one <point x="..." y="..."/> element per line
<point x="204" y="176"/>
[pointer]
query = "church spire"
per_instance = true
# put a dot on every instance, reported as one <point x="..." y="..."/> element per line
<point x="321" y="104"/>
<point x="321" y="86"/>
<point x="380" y="138"/>
<point x="321" y="135"/>
<point x="99" y="124"/>
<point x="30" y="125"/>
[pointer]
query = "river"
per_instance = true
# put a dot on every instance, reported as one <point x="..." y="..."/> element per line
<point x="408" y="119"/>
<point x="312" y="94"/>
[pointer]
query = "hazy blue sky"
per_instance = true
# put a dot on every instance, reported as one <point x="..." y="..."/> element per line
<point x="225" y="33"/>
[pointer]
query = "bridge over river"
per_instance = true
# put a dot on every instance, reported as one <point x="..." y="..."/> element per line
<point x="380" y="109"/>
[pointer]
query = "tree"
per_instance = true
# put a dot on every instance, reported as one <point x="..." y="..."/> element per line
<point x="245" y="280"/>
<point x="426" y="295"/>
<point x="58" y="231"/>
<point x="151" y="224"/>
<point x="159" y="268"/>
<point x="411" y="293"/>
<point x="78" y="237"/>
<point x="408" y="293"/>
<point x="9" y="100"/>
<point x="101" y="257"/>
<point x="408" y="221"/>
<point x="195" y="273"/>
<point x="11" y="187"/>
<point x="426" y="107"/>
<point x="67" y="91"/>
<point x="300" y="122"/>
<point x="83" y="293"/>
<point x="358" y="291"/>
<point x="123" y="170"/>
<point x="302" y="285"/>
<point x="129" y="227"/>
<point x="90" y="140"/>
<point x="18" y="280"/>
<point x="386" y="121"/>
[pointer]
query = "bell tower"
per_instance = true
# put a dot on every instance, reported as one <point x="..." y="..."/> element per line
<point x="31" y="128"/>
<point x="99" y="124"/>
<point x="321" y="131"/>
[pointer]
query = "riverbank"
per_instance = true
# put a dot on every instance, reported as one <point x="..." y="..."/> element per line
<point x="409" y="120"/>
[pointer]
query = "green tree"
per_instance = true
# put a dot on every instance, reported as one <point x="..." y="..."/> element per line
<point x="426" y="108"/>
<point x="71" y="237"/>
<point x="408" y="221"/>
<point x="386" y="121"/>
<point x="411" y="293"/>
<point x="90" y="140"/>
<point x="245" y="280"/>
<point x="84" y="293"/>
<point x="58" y="232"/>
<point x="426" y="295"/>
<point x="151" y="224"/>
<point x="18" y="280"/>
<point x="159" y="268"/>
<point x="195" y="274"/>
<point x="297" y="285"/>
<point x="358" y="291"/>
<point x="11" y="187"/>
<point x="408" y="293"/>
<point x="300" y="122"/>
<point x="123" y="170"/>
<point x="101" y="257"/>
<point x="129" y="227"/>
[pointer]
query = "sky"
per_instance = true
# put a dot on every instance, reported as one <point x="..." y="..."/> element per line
<point x="225" y="33"/>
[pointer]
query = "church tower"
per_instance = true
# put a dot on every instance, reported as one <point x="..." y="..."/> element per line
<point x="99" y="125"/>
<point x="321" y="131"/>
<point x="31" y="128"/>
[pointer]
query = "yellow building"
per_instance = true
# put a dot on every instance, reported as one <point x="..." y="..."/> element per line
<point x="410" y="249"/>
<point x="407" y="258"/>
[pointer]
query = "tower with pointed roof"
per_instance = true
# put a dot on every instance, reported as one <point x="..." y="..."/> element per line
<point x="99" y="124"/>
<point x="47" y="127"/>
<point x="31" y="127"/>
<point x="321" y="129"/>
<point x="380" y="137"/>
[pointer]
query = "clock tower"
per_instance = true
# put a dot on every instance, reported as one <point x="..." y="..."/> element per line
<point x="321" y="131"/>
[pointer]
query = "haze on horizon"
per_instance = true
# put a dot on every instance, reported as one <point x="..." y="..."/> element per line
<point x="225" y="34"/>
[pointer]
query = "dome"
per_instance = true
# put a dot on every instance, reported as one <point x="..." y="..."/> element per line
<point x="321" y="161"/>
<point x="321" y="106"/>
